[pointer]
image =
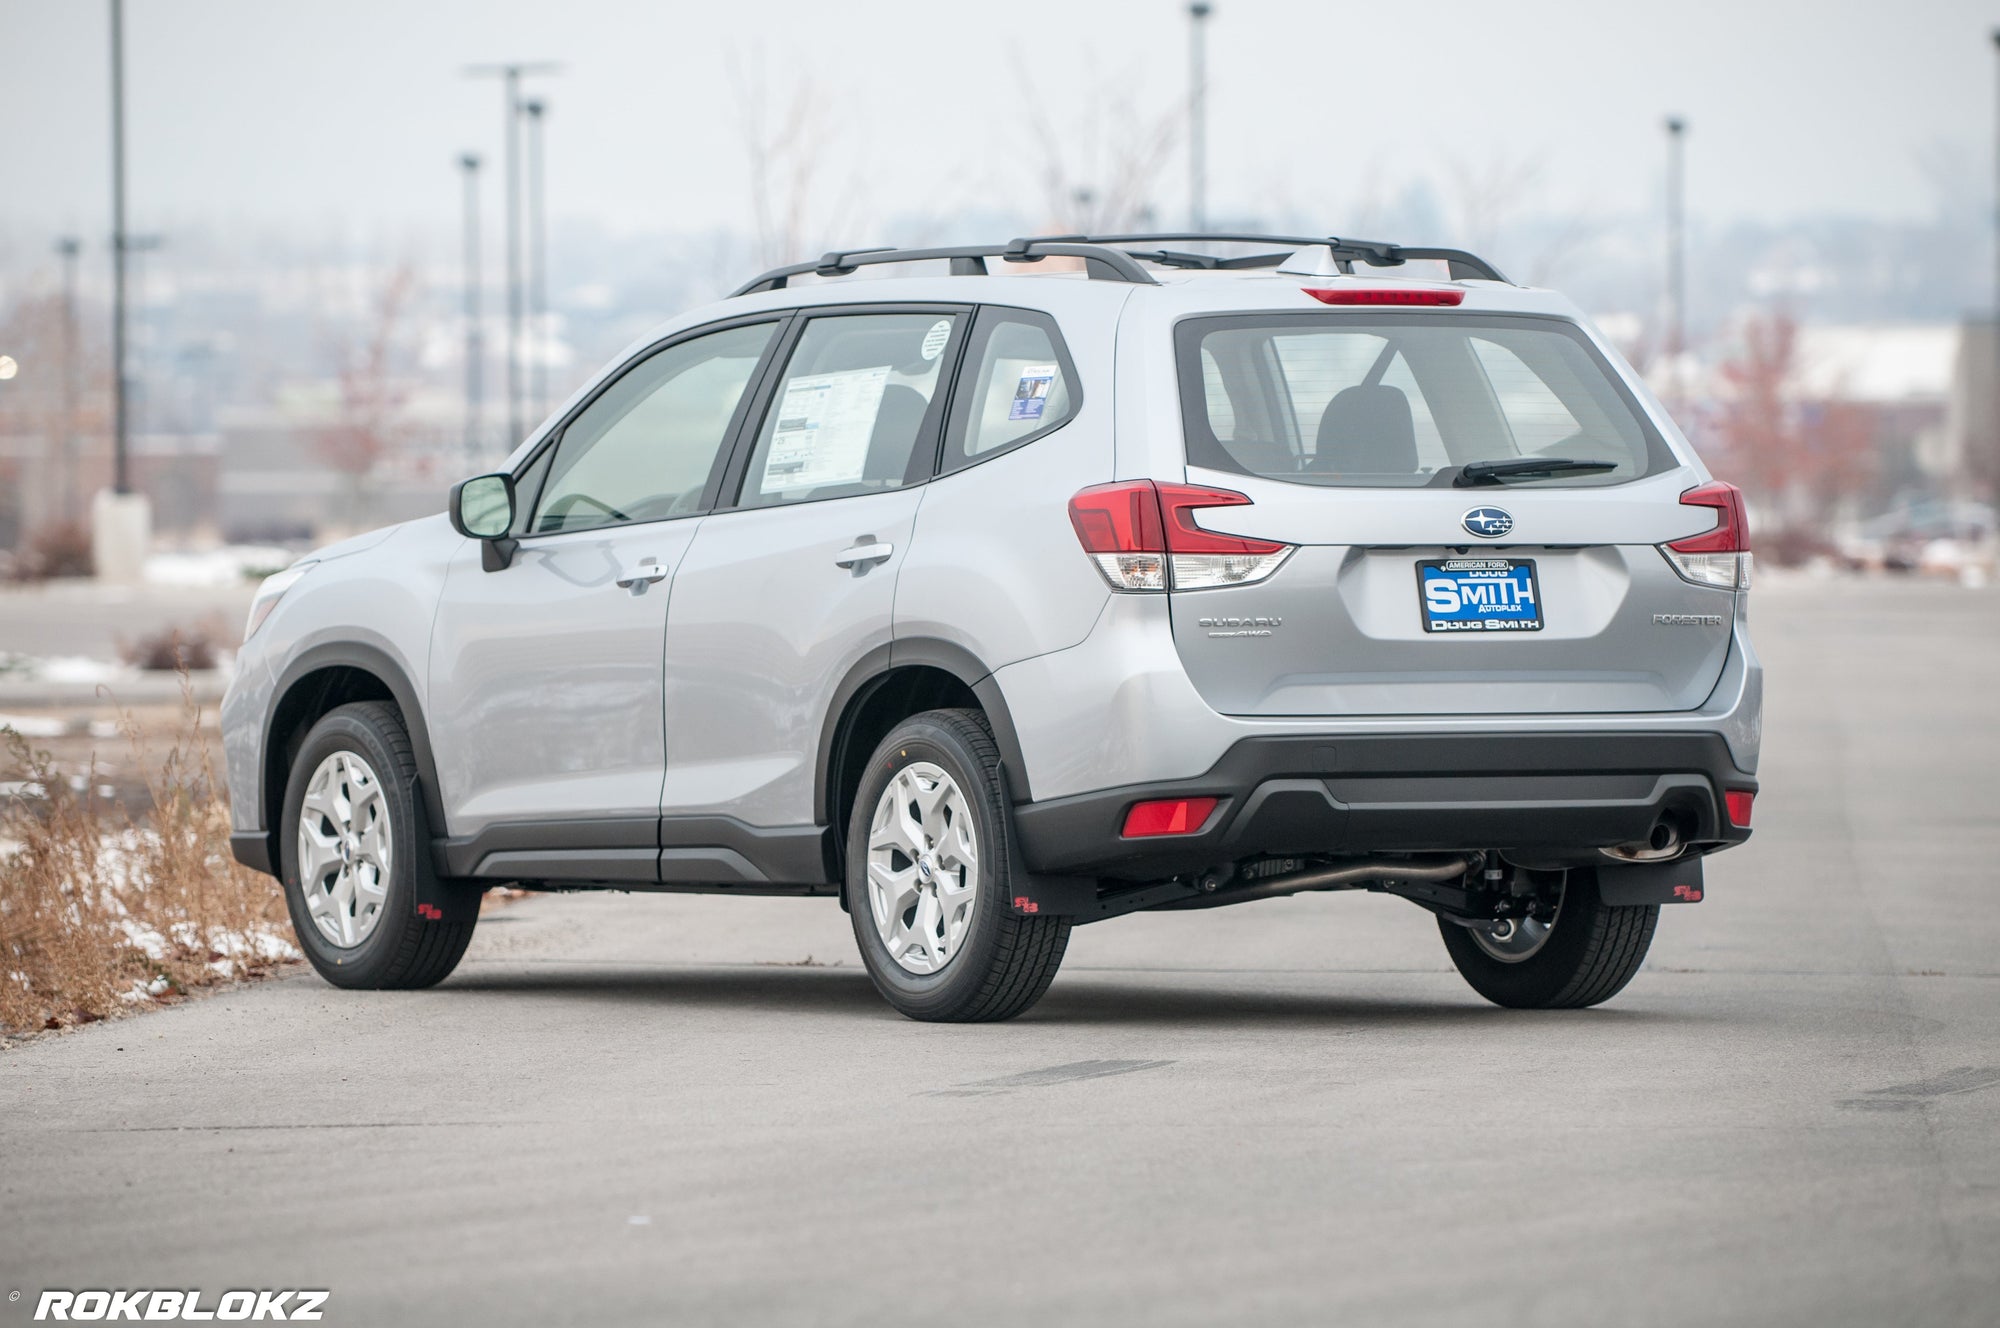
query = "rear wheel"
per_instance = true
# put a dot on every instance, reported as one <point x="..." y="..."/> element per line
<point x="1583" y="956"/>
<point x="353" y="845"/>
<point x="930" y="854"/>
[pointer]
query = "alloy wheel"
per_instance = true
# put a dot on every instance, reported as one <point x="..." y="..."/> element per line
<point x="923" y="868"/>
<point x="346" y="849"/>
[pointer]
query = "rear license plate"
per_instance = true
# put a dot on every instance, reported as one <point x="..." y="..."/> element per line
<point x="1479" y="595"/>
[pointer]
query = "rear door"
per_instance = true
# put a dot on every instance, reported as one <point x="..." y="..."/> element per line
<point x="1414" y="590"/>
<point x="789" y="587"/>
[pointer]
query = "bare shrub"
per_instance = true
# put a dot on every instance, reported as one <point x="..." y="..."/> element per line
<point x="189" y="646"/>
<point x="100" y="913"/>
<point x="62" y="549"/>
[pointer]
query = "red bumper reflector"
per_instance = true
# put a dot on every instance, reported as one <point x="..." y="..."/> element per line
<point x="1379" y="295"/>
<point x="1739" y="807"/>
<point x="1169" y="816"/>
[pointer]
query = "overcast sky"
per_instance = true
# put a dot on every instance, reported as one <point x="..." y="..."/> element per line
<point x="303" y="113"/>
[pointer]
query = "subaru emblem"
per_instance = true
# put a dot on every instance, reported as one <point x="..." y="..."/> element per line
<point x="1488" y="522"/>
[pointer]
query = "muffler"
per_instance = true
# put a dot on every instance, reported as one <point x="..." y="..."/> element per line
<point x="1663" y="843"/>
<point x="1334" y="876"/>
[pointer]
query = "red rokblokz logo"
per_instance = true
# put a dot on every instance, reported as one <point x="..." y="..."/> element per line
<point x="186" y="1306"/>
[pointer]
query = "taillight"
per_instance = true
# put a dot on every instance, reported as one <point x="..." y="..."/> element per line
<point x="1381" y="295"/>
<point x="1167" y="816"/>
<point x="1142" y="535"/>
<point x="1738" y="801"/>
<point x="1718" y="557"/>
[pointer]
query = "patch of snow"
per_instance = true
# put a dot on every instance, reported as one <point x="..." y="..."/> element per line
<point x="77" y="669"/>
<point x="231" y="565"/>
<point x="35" y="726"/>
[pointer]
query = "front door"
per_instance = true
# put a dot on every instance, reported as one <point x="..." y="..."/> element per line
<point x="546" y="674"/>
<point x="788" y="588"/>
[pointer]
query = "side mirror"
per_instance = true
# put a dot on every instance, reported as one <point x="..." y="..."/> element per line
<point x="483" y="509"/>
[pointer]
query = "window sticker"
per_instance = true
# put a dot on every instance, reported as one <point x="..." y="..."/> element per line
<point x="825" y="424"/>
<point x="1031" y="394"/>
<point x="935" y="338"/>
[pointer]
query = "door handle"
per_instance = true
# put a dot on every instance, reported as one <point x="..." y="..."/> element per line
<point x="864" y="554"/>
<point x="645" y="574"/>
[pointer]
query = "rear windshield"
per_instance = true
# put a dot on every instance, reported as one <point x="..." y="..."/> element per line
<point x="1409" y="401"/>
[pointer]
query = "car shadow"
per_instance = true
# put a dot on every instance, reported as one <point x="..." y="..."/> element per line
<point x="1125" y="1002"/>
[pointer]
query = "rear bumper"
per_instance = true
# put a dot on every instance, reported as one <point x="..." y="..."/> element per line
<point x="1542" y="796"/>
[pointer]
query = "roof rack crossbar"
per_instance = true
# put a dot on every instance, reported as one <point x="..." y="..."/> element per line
<point x="1375" y="253"/>
<point x="1101" y="262"/>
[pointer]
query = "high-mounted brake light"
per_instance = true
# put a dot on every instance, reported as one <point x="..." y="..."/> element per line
<point x="1381" y="295"/>
<point x="1142" y="536"/>
<point x="1719" y="557"/>
<point x="1167" y="816"/>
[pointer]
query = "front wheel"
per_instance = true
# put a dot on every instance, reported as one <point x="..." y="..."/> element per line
<point x="930" y="858"/>
<point x="1583" y="957"/>
<point x="354" y="849"/>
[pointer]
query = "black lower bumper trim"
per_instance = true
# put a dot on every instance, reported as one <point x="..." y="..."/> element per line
<point x="1535" y="794"/>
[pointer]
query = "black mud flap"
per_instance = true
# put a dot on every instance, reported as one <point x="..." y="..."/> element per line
<point x="1061" y="896"/>
<point x="1629" y="883"/>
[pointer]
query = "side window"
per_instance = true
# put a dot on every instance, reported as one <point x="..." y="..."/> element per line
<point x="1016" y="385"/>
<point x="850" y="409"/>
<point x="645" y="448"/>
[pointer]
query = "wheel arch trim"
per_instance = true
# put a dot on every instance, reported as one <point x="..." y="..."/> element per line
<point x="384" y="668"/>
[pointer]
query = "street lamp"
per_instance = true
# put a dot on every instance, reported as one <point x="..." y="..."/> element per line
<point x="121" y="481"/>
<point x="70" y="248"/>
<point x="469" y="163"/>
<point x="1676" y="254"/>
<point x="538" y="264"/>
<point x="1198" y="13"/>
<point x="510" y="74"/>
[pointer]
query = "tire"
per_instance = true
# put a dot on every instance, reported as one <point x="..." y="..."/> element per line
<point x="974" y="960"/>
<point x="396" y="947"/>
<point x="1590" y="953"/>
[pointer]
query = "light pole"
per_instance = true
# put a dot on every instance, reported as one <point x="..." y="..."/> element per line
<point x="475" y="345"/>
<point x="1198" y="13"/>
<point x="69" y="247"/>
<point x="121" y="481"/>
<point x="538" y="265"/>
<point x="510" y="75"/>
<point x="1676" y="254"/>
<point x="1992" y="469"/>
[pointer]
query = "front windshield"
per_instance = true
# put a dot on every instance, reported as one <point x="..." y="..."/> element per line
<point x="1410" y="401"/>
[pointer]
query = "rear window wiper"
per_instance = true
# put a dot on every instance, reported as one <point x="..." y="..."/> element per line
<point x="1493" y="472"/>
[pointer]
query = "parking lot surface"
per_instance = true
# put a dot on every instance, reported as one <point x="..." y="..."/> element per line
<point x="679" y="1110"/>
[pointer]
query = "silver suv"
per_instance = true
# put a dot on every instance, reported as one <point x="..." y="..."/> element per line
<point x="1097" y="575"/>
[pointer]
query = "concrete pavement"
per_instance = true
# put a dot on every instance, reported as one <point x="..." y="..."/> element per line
<point x="628" y="1109"/>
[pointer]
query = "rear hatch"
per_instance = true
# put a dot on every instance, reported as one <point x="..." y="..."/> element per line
<point x="1477" y="513"/>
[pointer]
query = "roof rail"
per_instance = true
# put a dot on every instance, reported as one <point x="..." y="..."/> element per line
<point x="1106" y="257"/>
<point x="1100" y="262"/>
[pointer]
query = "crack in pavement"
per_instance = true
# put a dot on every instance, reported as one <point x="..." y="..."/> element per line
<point x="1047" y="1075"/>
<point x="1907" y="1097"/>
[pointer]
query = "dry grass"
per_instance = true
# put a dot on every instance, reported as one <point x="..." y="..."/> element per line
<point x="101" y="912"/>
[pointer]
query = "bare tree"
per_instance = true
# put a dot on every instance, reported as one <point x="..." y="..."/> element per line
<point x="1103" y="173"/>
<point x="788" y="143"/>
<point x="46" y="491"/>
<point x="368" y="427"/>
<point x="1796" y="457"/>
